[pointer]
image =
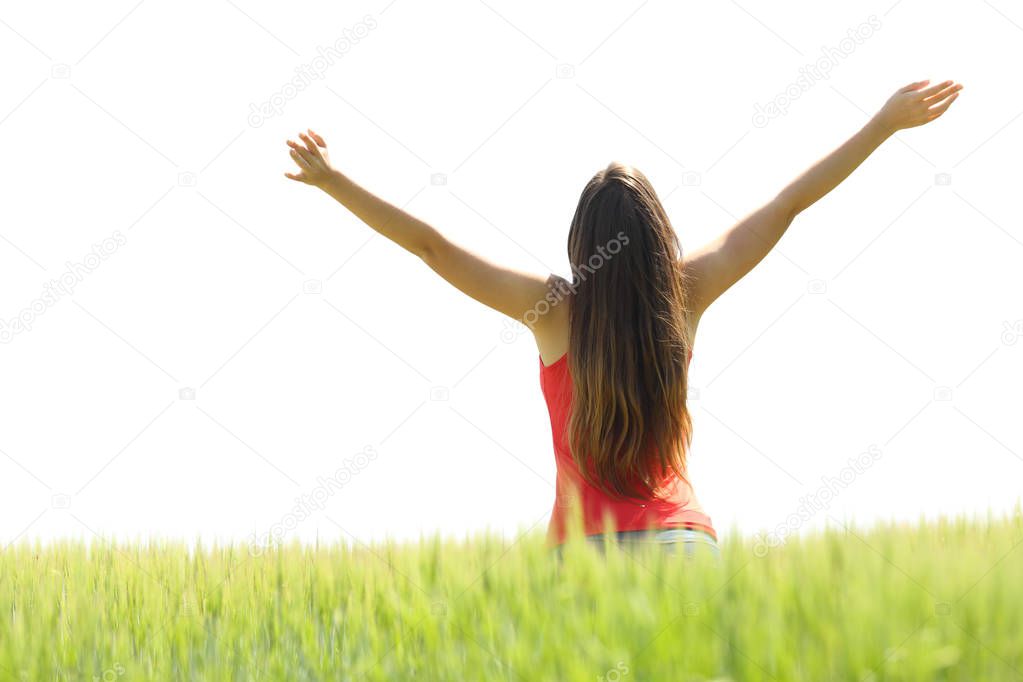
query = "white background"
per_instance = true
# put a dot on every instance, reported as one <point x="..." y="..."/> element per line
<point x="108" y="111"/>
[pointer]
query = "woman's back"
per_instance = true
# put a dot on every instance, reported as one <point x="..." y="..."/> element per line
<point x="676" y="505"/>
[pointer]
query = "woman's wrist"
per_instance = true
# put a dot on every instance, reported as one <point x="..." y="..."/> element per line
<point x="332" y="180"/>
<point x="878" y="128"/>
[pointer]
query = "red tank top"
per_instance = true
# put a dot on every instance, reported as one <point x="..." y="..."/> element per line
<point x="677" y="506"/>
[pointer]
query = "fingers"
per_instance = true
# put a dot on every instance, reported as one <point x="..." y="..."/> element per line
<point x="934" y="89"/>
<point x="319" y="140"/>
<point x="301" y="155"/>
<point x="313" y="164"/>
<point x="311" y="146"/>
<point x="942" y="94"/>
<point x="302" y="162"/>
<point x="914" y="86"/>
<point x="940" y="109"/>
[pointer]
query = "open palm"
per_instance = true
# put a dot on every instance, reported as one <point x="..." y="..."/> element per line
<point x="312" y="159"/>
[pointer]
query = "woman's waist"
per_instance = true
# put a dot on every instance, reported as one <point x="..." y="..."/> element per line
<point x="598" y="513"/>
<point x="671" y="493"/>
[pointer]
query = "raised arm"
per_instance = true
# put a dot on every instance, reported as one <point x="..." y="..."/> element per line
<point x="506" y="290"/>
<point x="718" y="265"/>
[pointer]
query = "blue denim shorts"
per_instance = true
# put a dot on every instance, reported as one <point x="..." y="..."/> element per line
<point x="689" y="541"/>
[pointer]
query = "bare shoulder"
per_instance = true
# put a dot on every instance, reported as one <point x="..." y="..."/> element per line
<point x="695" y="304"/>
<point x="549" y="320"/>
<point x="692" y="322"/>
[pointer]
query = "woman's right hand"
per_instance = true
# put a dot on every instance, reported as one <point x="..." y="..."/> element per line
<point x="915" y="105"/>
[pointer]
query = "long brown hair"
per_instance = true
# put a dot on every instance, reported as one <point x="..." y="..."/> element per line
<point x="629" y="425"/>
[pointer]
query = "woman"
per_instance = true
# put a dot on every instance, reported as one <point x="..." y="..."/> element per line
<point x="615" y="342"/>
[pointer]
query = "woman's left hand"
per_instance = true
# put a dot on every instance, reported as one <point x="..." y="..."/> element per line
<point x="312" y="160"/>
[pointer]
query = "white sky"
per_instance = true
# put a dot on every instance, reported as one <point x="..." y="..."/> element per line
<point x="921" y="279"/>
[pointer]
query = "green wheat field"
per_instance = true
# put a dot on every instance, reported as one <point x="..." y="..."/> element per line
<point x="938" y="600"/>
